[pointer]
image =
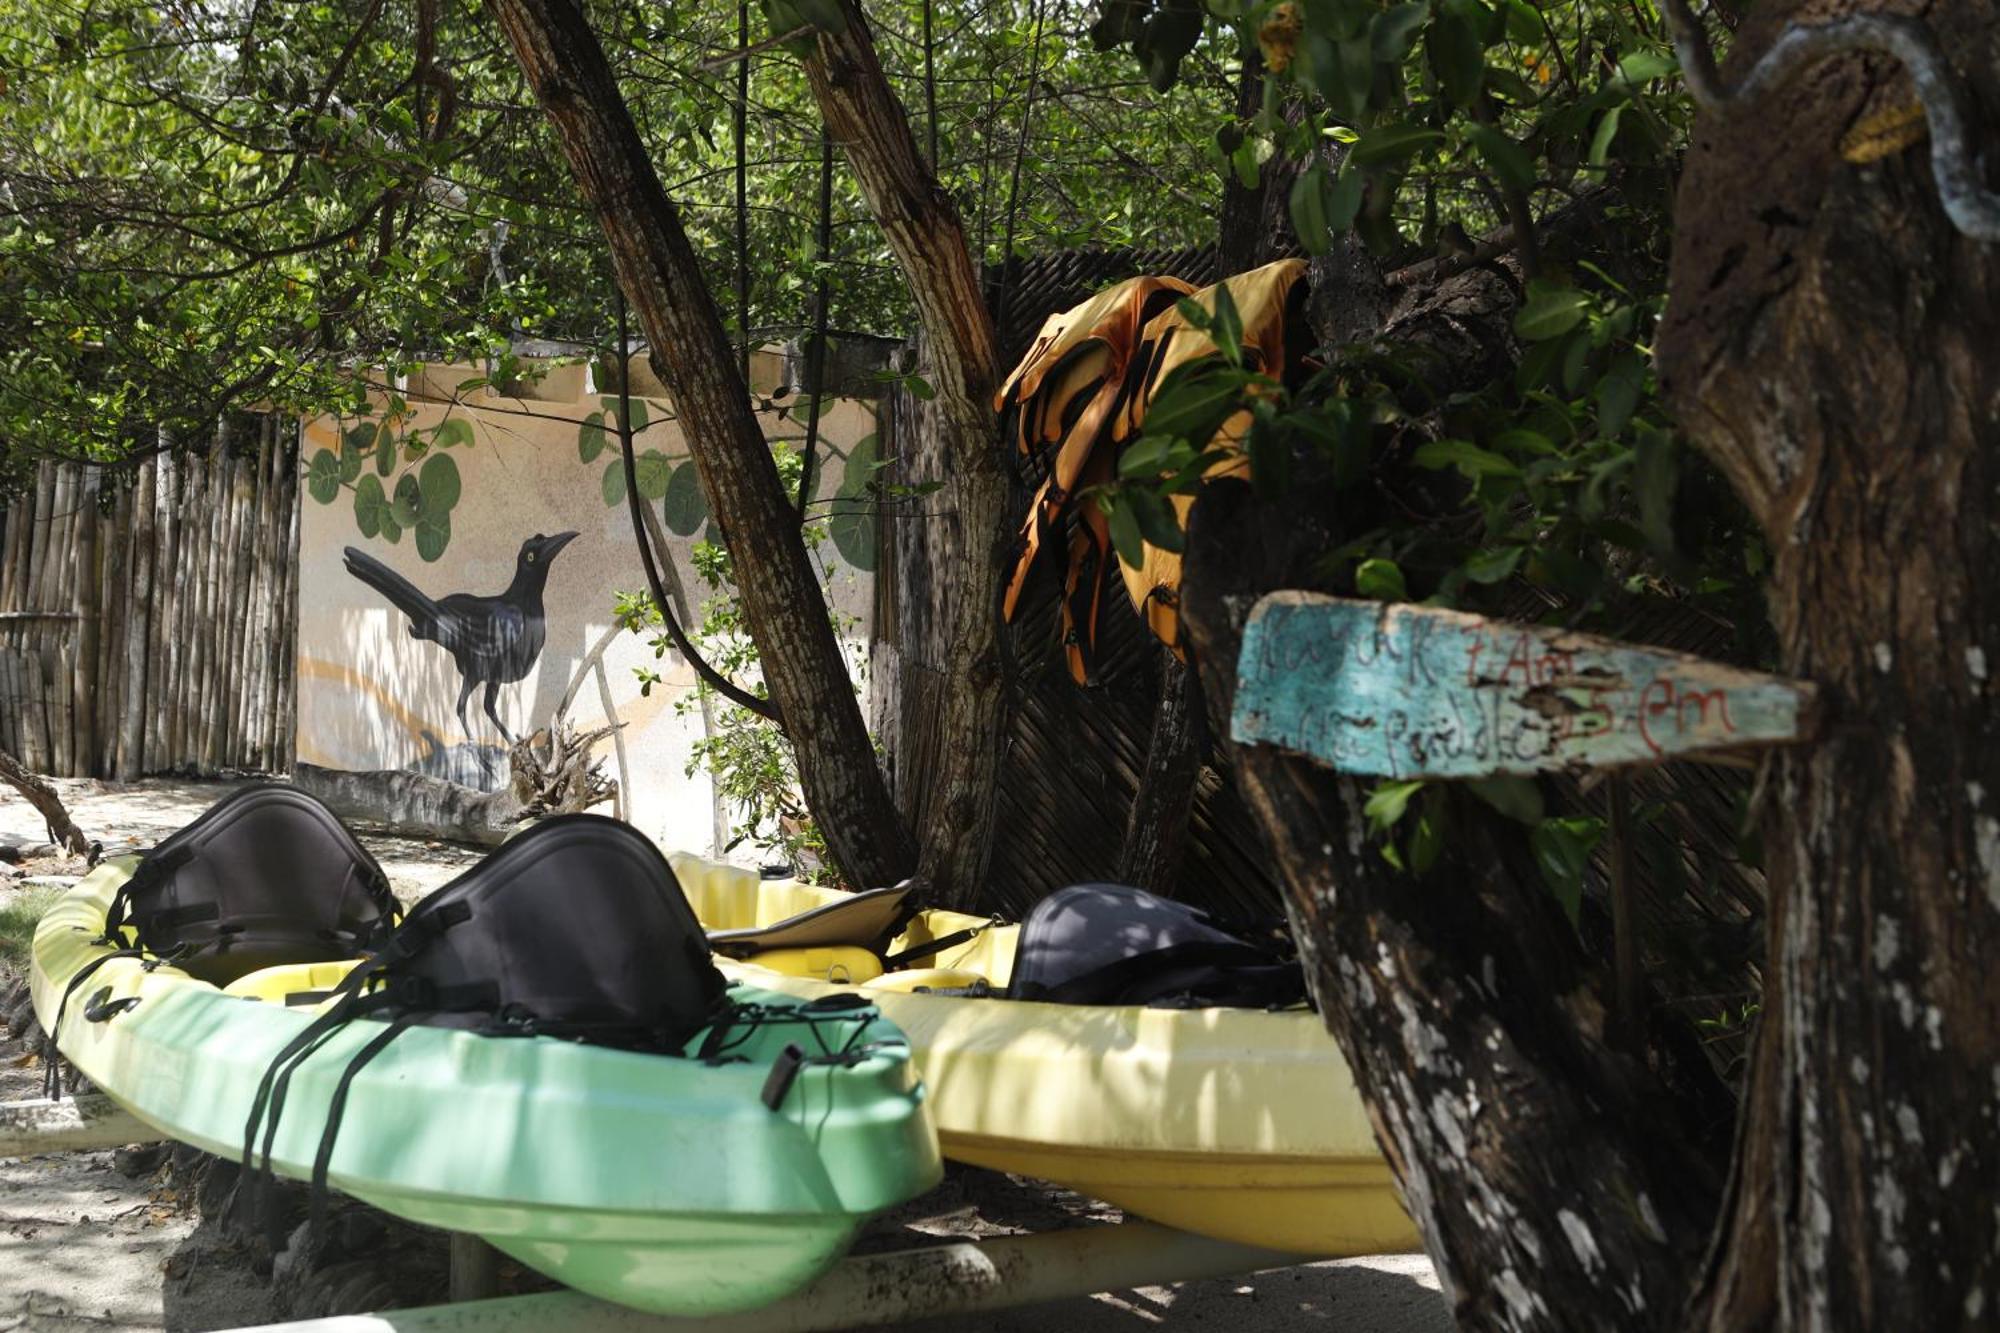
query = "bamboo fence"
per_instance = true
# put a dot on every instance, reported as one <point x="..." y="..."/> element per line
<point x="148" y="612"/>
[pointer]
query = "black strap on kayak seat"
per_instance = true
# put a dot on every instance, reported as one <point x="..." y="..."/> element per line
<point x="904" y="957"/>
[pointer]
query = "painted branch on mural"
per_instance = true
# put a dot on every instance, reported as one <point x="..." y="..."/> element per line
<point x="1401" y="691"/>
<point x="494" y="640"/>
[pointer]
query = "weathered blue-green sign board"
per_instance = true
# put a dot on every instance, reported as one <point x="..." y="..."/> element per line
<point x="1403" y="691"/>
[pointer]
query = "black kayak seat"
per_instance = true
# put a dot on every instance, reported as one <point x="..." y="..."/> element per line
<point x="1114" y="944"/>
<point x="267" y="875"/>
<point x="865" y="920"/>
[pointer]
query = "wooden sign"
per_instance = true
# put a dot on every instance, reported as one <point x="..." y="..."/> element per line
<point x="1402" y="691"/>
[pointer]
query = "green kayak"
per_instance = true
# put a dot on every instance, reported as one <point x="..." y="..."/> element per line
<point x="657" y="1182"/>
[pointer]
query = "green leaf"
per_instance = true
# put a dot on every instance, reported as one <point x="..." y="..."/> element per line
<point x="683" y="506"/>
<point x="1645" y="66"/>
<point x="1607" y="130"/>
<point x="613" y="484"/>
<point x="1354" y="75"/>
<point x="1524" y="23"/>
<point x="1193" y="403"/>
<point x="652" y="470"/>
<point x="386" y="453"/>
<point x="1126" y="537"/>
<point x="1467" y="457"/>
<point x="407" y="500"/>
<point x="1457" y="57"/>
<point x="439" y="479"/>
<point x="1394" y="31"/>
<point x="1515" y="797"/>
<point x="1147" y="457"/>
<point x="1381" y="579"/>
<point x="1387" y="803"/>
<point x="1562" y="850"/>
<point x="392" y="531"/>
<point x="1226" y="329"/>
<point x="1509" y="161"/>
<point x="590" y="439"/>
<point x="1427" y="840"/>
<point x="1344" y="204"/>
<point x="323" y="476"/>
<point x="1521" y="441"/>
<point x="1157" y="520"/>
<point x="1493" y="564"/>
<point x="370" y="505"/>
<point x="1618" y="394"/>
<point x="433" y="534"/>
<point x="1391" y="143"/>
<point x="453" y="431"/>
<point x="1309" y="210"/>
<point x="1549" y="312"/>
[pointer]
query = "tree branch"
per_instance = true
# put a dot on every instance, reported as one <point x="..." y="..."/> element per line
<point x="1972" y="208"/>
<point x="720" y="683"/>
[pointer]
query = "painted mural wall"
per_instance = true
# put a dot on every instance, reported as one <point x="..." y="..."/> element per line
<point x="460" y="564"/>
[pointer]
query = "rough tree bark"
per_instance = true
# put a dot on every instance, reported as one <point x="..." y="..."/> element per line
<point x="1834" y="346"/>
<point x="924" y="233"/>
<point x="1557" y="1182"/>
<point x="657" y="268"/>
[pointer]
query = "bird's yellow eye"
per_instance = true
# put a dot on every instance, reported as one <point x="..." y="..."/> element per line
<point x="531" y="557"/>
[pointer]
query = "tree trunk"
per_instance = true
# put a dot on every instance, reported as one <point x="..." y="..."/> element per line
<point x="414" y="804"/>
<point x="1556" y="1184"/>
<point x="1156" y="833"/>
<point x="782" y="601"/>
<point x="1834" y="346"/>
<point x="924" y="233"/>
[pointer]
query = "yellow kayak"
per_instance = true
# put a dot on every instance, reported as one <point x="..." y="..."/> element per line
<point x="1239" y="1124"/>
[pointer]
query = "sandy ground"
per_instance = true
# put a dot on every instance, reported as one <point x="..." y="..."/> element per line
<point x="108" y="1242"/>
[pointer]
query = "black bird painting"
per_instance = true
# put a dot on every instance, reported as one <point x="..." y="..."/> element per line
<point x="494" y="640"/>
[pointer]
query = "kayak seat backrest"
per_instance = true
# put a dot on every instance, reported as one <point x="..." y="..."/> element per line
<point x="267" y="875"/>
<point x="867" y="920"/>
<point x="575" y="928"/>
<point x="1111" y="944"/>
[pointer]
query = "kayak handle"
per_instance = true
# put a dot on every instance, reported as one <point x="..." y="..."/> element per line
<point x="102" y="1008"/>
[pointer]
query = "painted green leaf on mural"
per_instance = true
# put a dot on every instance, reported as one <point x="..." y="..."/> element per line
<point x="433" y="534"/>
<point x="355" y="442"/>
<point x="439" y="480"/>
<point x="323" y="476"/>
<point x="640" y="418"/>
<point x="851" y="522"/>
<point x="392" y="531"/>
<point x="386" y="452"/>
<point x="614" y="482"/>
<point x="652" y="470"/>
<point x="590" y="437"/>
<point x="406" y="501"/>
<point x="370" y="505"/>
<point x="684" y="508"/>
